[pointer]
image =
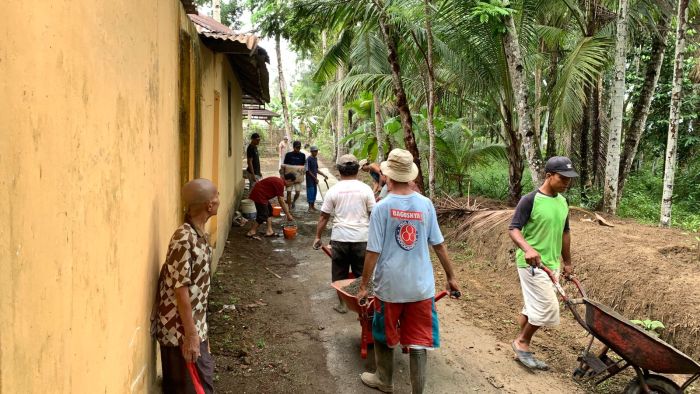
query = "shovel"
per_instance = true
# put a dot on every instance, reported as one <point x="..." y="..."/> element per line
<point x="321" y="191"/>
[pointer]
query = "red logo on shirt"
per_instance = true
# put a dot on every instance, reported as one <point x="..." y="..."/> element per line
<point x="406" y="235"/>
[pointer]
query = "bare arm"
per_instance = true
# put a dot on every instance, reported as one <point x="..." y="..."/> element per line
<point x="531" y="256"/>
<point x="283" y="204"/>
<point x="250" y="165"/>
<point x="322" y="222"/>
<point x="370" y="262"/>
<point x="446" y="263"/>
<point x="566" y="253"/>
<point x="190" y="347"/>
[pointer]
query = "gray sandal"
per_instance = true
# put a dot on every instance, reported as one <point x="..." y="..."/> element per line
<point x="525" y="358"/>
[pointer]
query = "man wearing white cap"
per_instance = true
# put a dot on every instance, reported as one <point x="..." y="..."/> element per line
<point x="350" y="202"/>
<point x="401" y="228"/>
<point x="312" y="172"/>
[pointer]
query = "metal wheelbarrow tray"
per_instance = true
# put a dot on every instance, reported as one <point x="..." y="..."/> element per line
<point x="365" y="312"/>
<point x="636" y="348"/>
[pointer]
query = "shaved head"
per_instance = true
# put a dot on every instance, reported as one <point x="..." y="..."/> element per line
<point x="198" y="191"/>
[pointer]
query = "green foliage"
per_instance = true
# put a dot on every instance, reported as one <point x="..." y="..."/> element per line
<point x="653" y="327"/>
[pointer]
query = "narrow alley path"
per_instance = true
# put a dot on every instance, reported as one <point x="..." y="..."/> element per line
<point x="284" y="337"/>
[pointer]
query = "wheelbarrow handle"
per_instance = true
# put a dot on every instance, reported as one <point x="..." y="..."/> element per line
<point x="558" y="286"/>
<point x="327" y="250"/>
<point x="442" y="294"/>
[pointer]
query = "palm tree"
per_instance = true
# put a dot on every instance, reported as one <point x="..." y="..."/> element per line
<point x="271" y="17"/>
<point x="617" y="107"/>
<point x="674" y="116"/>
<point x="362" y="16"/>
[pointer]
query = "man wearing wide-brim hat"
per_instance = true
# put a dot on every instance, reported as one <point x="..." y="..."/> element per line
<point x="402" y="227"/>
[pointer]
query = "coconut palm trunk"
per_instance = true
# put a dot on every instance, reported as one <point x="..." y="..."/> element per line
<point x="401" y="101"/>
<point x="431" y="102"/>
<point x="612" y="162"/>
<point x="340" y="113"/>
<point x="674" y="115"/>
<point x="283" y="90"/>
<point x="378" y="127"/>
<point x="641" y="109"/>
<point x="516" y="69"/>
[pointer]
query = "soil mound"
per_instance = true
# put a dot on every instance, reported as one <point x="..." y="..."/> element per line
<point x="642" y="272"/>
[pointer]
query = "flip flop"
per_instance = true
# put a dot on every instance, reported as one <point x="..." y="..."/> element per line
<point x="524" y="357"/>
<point x="255" y="237"/>
<point x="273" y="235"/>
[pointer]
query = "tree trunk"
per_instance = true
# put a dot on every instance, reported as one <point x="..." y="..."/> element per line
<point x="596" y="131"/>
<point x="378" y="127"/>
<point x="515" y="159"/>
<point x="216" y="10"/>
<point x="551" y="81"/>
<point x="674" y="115"/>
<point x="583" y="153"/>
<point x="516" y="69"/>
<point x="283" y="90"/>
<point x="431" y="102"/>
<point x="537" y="121"/>
<point x="641" y="109"/>
<point x="612" y="163"/>
<point x="401" y="101"/>
<point x="340" y="114"/>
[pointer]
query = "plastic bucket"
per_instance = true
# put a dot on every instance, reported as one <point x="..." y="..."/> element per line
<point x="247" y="206"/>
<point x="276" y="210"/>
<point x="290" y="231"/>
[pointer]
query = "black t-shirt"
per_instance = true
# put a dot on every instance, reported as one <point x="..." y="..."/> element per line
<point x="252" y="153"/>
<point x="295" y="158"/>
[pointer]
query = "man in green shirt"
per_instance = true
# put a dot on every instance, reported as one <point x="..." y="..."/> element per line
<point x="540" y="229"/>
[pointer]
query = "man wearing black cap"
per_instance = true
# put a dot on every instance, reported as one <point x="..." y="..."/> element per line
<point x="540" y="229"/>
<point x="253" y="170"/>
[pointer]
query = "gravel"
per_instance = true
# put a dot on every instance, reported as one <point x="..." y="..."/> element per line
<point x="354" y="287"/>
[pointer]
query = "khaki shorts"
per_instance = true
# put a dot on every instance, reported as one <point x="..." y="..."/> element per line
<point x="295" y="187"/>
<point x="541" y="303"/>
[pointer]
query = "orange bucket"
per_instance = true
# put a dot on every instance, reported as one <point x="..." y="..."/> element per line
<point x="290" y="231"/>
<point x="276" y="210"/>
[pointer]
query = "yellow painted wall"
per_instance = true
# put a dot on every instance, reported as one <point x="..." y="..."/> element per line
<point x="217" y="74"/>
<point x="89" y="184"/>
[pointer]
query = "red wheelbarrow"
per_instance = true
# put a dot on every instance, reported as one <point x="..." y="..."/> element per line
<point x="634" y="346"/>
<point x="365" y="310"/>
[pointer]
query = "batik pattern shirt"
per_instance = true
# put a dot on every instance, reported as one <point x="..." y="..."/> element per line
<point x="188" y="263"/>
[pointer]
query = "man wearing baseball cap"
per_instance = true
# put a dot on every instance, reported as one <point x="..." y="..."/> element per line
<point x="350" y="201"/>
<point x="402" y="227"/>
<point x="540" y="229"/>
<point x="312" y="172"/>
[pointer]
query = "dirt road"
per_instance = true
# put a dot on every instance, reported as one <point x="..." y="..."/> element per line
<point x="284" y="337"/>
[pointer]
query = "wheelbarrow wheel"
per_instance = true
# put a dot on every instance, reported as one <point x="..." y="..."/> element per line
<point x="656" y="383"/>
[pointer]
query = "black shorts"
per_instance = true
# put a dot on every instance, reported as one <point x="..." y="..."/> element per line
<point x="347" y="256"/>
<point x="177" y="378"/>
<point x="263" y="211"/>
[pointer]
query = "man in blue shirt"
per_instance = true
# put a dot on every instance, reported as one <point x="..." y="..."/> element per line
<point x="312" y="172"/>
<point x="401" y="228"/>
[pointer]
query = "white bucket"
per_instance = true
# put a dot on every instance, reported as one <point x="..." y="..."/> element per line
<point x="247" y="206"/>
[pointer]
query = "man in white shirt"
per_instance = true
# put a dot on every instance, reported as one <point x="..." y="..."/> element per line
<point x="350" y="201"/>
